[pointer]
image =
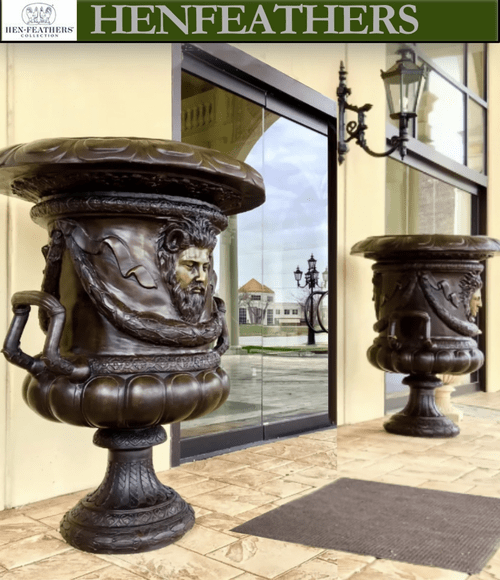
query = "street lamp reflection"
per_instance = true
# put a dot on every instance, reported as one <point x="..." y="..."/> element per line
<point x="316" y="306"/>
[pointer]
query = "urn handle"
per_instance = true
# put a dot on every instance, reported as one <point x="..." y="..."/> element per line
<point x="50" y="358"/>
<point x="392" y="338"/>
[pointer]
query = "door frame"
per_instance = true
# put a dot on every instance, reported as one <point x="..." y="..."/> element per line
<point x="237" y="72"/>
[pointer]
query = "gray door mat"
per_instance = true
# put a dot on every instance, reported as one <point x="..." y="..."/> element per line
<point x="419" y="526"/>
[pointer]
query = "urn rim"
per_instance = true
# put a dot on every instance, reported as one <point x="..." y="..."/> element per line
<point x="45" y="168"/>
<point x="427" y="246"/>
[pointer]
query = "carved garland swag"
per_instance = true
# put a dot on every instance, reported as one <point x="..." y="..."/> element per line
<point x="147" y="326"/>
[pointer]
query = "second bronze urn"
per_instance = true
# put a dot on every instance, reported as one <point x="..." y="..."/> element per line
<point x="426" y="291"/>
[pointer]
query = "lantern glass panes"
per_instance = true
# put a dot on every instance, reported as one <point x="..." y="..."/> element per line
<point x="403" y="84"/>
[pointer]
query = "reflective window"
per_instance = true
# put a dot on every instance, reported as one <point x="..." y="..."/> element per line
<point x="441" y="117"/>
<point x="475" y="68"/>
<point x="444" y="123"/>
<point x="420" y="204"/>
<point x="257" y="256"/>
<point x="448" y="56"/>
<point x="476" y="136"/>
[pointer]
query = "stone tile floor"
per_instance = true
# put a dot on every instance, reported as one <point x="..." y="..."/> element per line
<point x="235" y="487"/>
<point x="224" y="491"/>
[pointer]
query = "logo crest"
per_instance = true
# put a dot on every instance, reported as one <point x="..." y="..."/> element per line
<point x="38" y="13"/>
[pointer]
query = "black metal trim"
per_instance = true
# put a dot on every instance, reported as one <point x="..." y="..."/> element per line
<point x="214" y="444"/>
<point x="430" y="161"/>
<point x="296" y="425"/>
<point x="252" y="445"/>
<point x="198" y="63"/>
<point x="480" y="227"/>
<point x="332" y="272"/>
<point x="305" y="116"/>
<point x="263" y="85"/>
<point x="247" y="69"/>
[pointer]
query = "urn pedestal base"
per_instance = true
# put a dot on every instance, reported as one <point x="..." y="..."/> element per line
<point x="421" y="417"/>
<point x="131" y="511"/>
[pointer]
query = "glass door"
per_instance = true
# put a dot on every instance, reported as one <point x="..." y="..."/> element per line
<point x="294" y="228"/>
<point x="276" y="376"/>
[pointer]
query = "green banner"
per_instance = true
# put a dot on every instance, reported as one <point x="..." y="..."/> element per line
<point x="249" y="21"/>
<point x="287" y="21"/>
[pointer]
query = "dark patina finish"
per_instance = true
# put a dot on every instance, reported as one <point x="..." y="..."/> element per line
<point x="134" y="330"/>
<point x="426" y="289"/>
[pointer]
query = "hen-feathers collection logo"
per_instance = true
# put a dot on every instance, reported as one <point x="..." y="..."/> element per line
<point x="38" y="21"/>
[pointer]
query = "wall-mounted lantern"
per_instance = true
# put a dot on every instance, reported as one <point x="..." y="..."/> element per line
<point x="404" y="83"/>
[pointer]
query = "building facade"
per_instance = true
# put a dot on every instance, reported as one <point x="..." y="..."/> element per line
<point x="273" y="105"/>
<point x="255" y="304"/>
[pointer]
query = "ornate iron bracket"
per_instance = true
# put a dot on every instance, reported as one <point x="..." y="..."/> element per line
<point x="356" y="130"/>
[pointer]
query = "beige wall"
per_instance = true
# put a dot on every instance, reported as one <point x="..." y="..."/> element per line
<point x="3" y="286"/>
<point x="493" y="220"/>
<point x="362" y="188"/>
<point x="58" y="90"/>
<point x="361" y="206"/>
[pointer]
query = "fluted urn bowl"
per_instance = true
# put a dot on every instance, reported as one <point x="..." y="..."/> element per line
<point x="426" y="290"/>
<point x="134" y="329"/>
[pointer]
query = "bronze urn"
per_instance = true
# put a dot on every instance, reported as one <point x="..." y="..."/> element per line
<point x="426" y="290"/>
<point x="134" y="330"/>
